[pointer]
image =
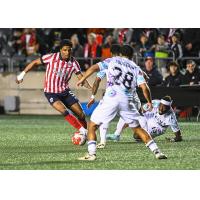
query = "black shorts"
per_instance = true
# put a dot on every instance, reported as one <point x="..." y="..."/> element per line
<point x="67" y="98"/>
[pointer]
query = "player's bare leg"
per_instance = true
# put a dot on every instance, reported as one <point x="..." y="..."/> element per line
<point x="78" y="111"/>
<point x="149" y="142"/>
<point x="59" y="106"/>
<point x="91" y="136"/>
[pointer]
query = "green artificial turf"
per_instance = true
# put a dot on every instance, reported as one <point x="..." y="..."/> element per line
<point x="44" y="142"/>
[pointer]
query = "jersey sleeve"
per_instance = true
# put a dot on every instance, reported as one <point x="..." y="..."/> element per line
<point x="104" y="64"/>
<point x="46" y="58"/>
<point x="101" y="74"/>
<point x="140" y="77"/>
<point x="174" y="124"/>
<point x="77" y="68"/>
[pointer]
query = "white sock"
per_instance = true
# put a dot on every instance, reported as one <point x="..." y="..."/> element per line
<point x="103" y="130"/>
<point x="152" y="146"/>
<point x="83" y="131"/>
<point x="120" y="126"/>
<point x="92" y="147"/>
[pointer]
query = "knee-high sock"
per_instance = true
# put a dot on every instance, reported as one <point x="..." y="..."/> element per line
<point x="103" y="130"/>
<point x="73" y="121"/>
<point x="152" y="146"/>
<point x="120" y="126"/>
<point x="92" y="147"/>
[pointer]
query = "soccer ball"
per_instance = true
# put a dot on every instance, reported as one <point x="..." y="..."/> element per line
<point x="78" y="138"/>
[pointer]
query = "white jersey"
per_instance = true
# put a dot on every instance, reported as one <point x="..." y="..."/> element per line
<point x="156" y="123"/>
<point x="123" y="76"/>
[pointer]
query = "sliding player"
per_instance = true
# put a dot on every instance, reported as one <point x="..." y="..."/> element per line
<point x="155" y="121"/>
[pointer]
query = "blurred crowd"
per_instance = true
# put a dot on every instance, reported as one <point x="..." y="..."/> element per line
<point x="169" y="56"/>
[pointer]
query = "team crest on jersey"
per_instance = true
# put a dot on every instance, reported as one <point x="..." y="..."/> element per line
<point x="51" y="99"/>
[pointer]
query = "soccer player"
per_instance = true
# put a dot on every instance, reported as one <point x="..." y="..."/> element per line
<point x="155" y="121"/>
<point x="123" y="75"/>
<point x="115" y="51"/>
<point x="59" y="68"/>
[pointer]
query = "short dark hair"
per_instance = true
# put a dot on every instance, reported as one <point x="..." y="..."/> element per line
<point x="127" y="50"/>
<point x="115" y="49"/>
<point x="173" y="63"/>
<point x="65" y="42"/>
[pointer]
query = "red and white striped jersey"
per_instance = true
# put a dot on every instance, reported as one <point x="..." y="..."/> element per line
<point x="58" y="72"/>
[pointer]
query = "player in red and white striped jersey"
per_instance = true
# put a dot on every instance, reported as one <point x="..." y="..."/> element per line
<point x="59" y="68"/>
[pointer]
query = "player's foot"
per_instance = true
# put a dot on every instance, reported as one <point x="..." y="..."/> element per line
<point x="113" y="137"/>
<point x="88" y="157"/>
<point x="101" y="146"/>
<point x="160" y="155"/>
<point x="84" y="132"/>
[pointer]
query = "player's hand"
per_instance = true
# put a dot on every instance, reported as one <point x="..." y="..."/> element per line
<point x="176" y="139"/>
<point x="91" y="101"/>
<point x="149" y="106"/>
<point x="20" y="77"/>
<point x="80" y="83"/>
<point x="18" y="81"/>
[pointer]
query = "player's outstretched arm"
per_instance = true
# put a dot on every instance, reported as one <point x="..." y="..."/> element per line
<point x="34" y="63"/>
<point x="94" y="91"/>
<point x="88" y="73"/>
<point x="85" y="82"/>
<point x="147" y="94"/>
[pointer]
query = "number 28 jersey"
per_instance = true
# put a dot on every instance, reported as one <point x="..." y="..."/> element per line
<point x="123" y="75"/>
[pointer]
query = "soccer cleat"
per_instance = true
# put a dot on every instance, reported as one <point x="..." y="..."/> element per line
<point x="160" y="155"/>
<point x="88" y="157"/>
<point x="113" y="137"/>
<point x="101" y="146"/>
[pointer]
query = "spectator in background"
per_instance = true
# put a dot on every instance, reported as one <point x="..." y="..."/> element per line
<point x="6" y="48"/>
<point x="123" y="35"/>
<point x="176" y="46"/>
<point x="91" y="50"/>
<point x="175" y="77"/>
<point x="106" y="47"/>
<point x="16" y="35"/>
<point x="192" y="75"/>
<point x="152" y="35"/>
<point x="77" y="49"/>
<point x="143" y="46"/>
<point x="155" y="78"/>
<point x="169" y="32"/>
<point x="28" y="41"/>
<point x="55" y="39"/>
<point x="191" y="38"/>
<point x="161" y="54"/>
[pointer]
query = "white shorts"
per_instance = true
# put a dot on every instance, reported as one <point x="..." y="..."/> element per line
<point x="110" y="106"/>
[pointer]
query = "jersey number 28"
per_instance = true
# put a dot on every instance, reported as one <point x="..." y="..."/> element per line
<point x="126" y="79"/>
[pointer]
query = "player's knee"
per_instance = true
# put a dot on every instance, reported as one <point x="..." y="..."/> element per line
<point x="65" y="112"/>
<point x="92" y="126"/>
